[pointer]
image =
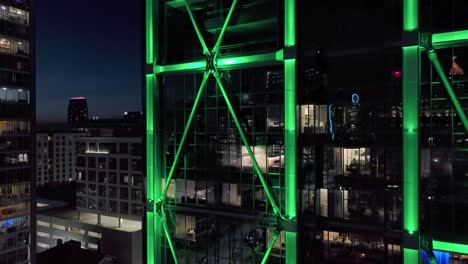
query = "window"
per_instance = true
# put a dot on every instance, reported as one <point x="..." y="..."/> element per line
<point x="124" y="179"/>
<point x="91" y="162"/>
<point x="102" y="163"/>
<point x="123" y="164"/>
<point x="123" y="208"/>
<point x="112" y="163"/>
<point x="123" y="148"/>
<point x="124" y="193"/>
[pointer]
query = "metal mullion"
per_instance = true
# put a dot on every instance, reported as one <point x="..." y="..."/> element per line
<point x="184" y="136"/>
<point x="206" y="51"/>
<point x="244" y="140"/>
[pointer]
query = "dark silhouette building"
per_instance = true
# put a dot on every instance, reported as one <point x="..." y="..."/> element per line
<point x="77" y="110"/>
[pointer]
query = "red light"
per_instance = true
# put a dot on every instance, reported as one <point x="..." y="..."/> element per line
<point x="396" y="74"/>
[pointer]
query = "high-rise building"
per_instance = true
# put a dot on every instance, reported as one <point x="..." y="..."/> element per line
<point x="77" y="110"/>
<point x="283" y="131"/>
<point x="56" y="157"/>
<point x="17" y="120"/>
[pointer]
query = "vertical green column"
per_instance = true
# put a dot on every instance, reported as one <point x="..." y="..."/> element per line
<point x="411" y="97"/>
<point x="290" y="129"/>
<point x="153" y="180"/>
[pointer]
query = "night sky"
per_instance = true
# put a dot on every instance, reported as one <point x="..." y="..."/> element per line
<point x="88" y="48"/>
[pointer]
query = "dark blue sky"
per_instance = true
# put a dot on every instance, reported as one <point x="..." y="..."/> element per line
<point x="88" y="48"/>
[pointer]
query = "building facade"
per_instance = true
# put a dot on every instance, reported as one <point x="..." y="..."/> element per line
<point x="110" y="176"/>
<point x="306" y="131"/>
<point x="58" y="223"/>
<point x="17" y="120"/>
<point x="56" y="157"/>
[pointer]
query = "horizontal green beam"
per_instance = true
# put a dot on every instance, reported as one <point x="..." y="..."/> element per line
<point x="447" y="39"/>
<point x="449" y="247"/>
<point x="222" y="63"/>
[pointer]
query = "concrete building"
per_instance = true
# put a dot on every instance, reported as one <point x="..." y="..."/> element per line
<point x="110" y="176"/>
<point x="117" y="237"/>
<point x="56" y="157"/>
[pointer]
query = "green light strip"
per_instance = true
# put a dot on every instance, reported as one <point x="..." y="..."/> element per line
<point x="289" y="23"/>
<point x="411" y="139"/>
<point x="222" y="63"/>
<point x="197" y="30"/>
<point x="150" y="166"/>
<point x="223" y="30"/>
<point x="442" y="38"/>
<point x="246" y="144"/>
<point x="184" y="136"/>
<point x="448" y="88"/>
<point x="270" y="247"/>
<point x="450" y="247"/>
<point x="410" y="256"/>
<point x="290" y="136"/>
<point x="149" y="31"/>
<point x="410" y="15"/>
<point x="181" y="67"/>
<point x="290" y="146"/>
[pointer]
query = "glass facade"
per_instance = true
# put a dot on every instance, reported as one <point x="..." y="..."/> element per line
<point x="16" y="123"/>
<point x="343" y="140"/>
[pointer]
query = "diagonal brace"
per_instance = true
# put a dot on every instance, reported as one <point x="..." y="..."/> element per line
<point x="448" y="87"/>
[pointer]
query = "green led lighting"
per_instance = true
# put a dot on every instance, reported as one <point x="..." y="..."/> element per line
<point x="410" y="15"/>
<point x="168" y="238"/>
<point x="222" y="63"/>
<point x="291" y="251"/>
<point x="448" y="88"/>
<point x="246" y="144"/>
<point x="411" y="88"/>
<point x="441" y="39"/>
<point x="181" y="67"/>
<point x="149" y="31"/>
<point x="289" y="23"/>
<point x="270" y="247"/>
<point x="290" y="136"/>
<point x="450" y="247"/>
<point x="150" y="165"/>
<point x="410" y="256"/>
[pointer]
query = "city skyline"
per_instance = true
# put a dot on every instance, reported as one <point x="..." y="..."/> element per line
<point x="88" y="55"/>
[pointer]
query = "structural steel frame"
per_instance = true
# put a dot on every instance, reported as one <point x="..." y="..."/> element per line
<point x="414" y="43"/>
<point x="156" y="193"/>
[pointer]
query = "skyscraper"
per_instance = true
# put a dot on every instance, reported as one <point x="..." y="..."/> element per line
<point x="341" y="140"/>
<point x="77" y="110"/>
<point x="17" y="120"/>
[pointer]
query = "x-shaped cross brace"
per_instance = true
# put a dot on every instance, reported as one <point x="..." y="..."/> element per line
<point x="212" y="69"/>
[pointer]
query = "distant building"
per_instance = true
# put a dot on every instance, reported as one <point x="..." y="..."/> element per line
<point x="110" y="176"/>
<point x="56" y="155"/>
<point x="17" y="120"/>
<point x="58" y="223"/>
<point x="77" y="110"/>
